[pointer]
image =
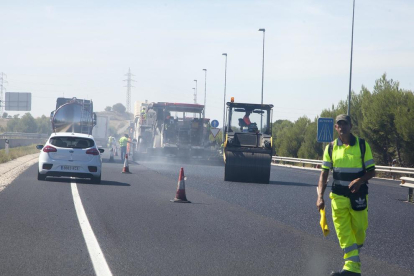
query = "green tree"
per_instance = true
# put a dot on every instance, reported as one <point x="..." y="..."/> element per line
<point x="108" y="108"/>
<point x="379" y="117"/>
<point x="12" y="124"/>
<point x="5" y="114"/>
<point x="290" y="138"/>
<point x="120" y="108"/>
<point x="27" y="124"/>
<point x="405" y="128"/>
<point x="310" y="147"/>
<point x="43" y="125"/>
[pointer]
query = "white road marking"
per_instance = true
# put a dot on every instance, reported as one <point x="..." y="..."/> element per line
<point x="98" y="259"/>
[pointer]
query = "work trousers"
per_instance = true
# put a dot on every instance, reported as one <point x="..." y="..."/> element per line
<point x="350" y="226"/>
<point x="123" y="152"/>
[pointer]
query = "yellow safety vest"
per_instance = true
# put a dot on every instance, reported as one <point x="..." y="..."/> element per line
<point x="347" y="161"/>
<point x="123" y="141"/>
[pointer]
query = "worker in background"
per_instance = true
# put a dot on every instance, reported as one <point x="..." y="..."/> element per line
<point x="143" y="114"/>
<point x="246" y="118"/>
<point x="111" y="141"/>
<point x="123" y="142"/>
<point x="352" y="165"/>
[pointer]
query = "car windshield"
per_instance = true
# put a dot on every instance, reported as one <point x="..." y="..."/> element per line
<point x="249" y="120"/>
<point x="72" y="142"/>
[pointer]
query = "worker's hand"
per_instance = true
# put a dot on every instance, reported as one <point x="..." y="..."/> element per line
<point x="320" y="204"/>
<point x="354" y="185"/>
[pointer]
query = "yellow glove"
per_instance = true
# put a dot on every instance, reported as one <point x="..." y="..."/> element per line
<point x="324" y="225"/>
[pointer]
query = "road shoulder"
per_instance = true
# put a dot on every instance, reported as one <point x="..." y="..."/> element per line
<point x="12" y="169"/>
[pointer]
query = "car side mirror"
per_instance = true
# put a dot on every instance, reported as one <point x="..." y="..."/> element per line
<point x="101" y="150"/>
<point x="39" y="147"/>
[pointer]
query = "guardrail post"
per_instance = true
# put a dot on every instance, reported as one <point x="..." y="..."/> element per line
<point x="410" y="195"/>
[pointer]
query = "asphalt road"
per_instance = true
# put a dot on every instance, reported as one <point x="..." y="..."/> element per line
<point x="228" y="229"/>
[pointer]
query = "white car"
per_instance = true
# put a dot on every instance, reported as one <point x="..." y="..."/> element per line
<point x="71" y="155"/>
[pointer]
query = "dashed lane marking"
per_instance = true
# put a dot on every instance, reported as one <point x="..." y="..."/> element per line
<point x="98" y="259"/>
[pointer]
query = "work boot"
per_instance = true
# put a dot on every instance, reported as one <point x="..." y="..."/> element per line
<point x="345" y="273"/>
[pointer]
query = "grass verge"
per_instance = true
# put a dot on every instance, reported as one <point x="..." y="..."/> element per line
<point x="17" y="152"/>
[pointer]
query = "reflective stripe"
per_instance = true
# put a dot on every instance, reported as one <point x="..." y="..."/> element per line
<point x="341" y="182"/>
<point x="359" y="246"/>
<point x="369" y="162"/>
<point x="348" y="170"/>
<point x="327" y="164"/>
<point x="350" y="248"/>
<point x="353" y="259"/>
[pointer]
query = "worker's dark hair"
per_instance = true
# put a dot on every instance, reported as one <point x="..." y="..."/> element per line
<point x="126" y="135"/>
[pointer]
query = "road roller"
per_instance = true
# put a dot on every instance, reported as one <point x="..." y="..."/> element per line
<point x="247" y="149"/>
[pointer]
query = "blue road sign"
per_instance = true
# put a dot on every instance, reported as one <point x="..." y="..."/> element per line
<point x="325" y="130"/>
<point x="214" y="123"/>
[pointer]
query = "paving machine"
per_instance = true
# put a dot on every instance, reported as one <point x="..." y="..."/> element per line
<point x="143" y="128"/>
<point x="248" y="149"/>
<point x="172" y="130"/>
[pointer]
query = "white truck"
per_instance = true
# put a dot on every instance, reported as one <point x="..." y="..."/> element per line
<point x="100" y="131"/>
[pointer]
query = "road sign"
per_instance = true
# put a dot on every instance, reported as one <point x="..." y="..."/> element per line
<point x="18" y="101"/>
<point x="214" y="131"/>
<point x="214" y="123"/>
<point x="325" y="130"/>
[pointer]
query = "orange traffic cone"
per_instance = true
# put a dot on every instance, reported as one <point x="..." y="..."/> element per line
<point x="125" y="169"/>
<point x="180" y="195"/>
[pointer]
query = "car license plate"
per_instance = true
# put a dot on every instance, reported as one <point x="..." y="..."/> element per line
<point x="69" y="168"/>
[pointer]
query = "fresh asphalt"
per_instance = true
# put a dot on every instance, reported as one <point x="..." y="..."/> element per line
<point x="228" y="229"/>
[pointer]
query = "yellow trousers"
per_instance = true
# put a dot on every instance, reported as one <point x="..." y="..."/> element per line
<point x="350" y="226"/>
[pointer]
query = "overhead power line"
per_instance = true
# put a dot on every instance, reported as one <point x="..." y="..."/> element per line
<point x="129" y="80"/>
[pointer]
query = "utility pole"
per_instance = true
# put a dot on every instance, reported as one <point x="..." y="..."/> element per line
<point x="2" y="102"/>
<point x="205" y="93"/>
<point x="350" y="67"/>
<point x="224" y="101"/>
<point x="129" y="80"/>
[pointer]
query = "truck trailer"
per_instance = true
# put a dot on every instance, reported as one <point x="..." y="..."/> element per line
<point x="100" y="130"/>
<point x="73" y="115"/>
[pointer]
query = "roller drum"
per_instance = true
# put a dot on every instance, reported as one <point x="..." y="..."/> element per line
<point x="247" y="166"/>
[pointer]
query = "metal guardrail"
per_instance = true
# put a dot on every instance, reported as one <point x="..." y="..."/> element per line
<point x="388" y="169"/>
<point x="16" y="135"/>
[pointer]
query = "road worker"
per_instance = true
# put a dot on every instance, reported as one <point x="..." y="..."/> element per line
<point x="111" y="141"/>
<point x="123" y="142"/>
<point x="351" y="160"/>
<point x="246" y="118"/>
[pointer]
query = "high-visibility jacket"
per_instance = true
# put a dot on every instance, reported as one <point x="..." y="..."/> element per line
<point x="346" y="161"/>
<point x="246" y="120"/>
<point x="123" y="141"/>
<point x="350" y="225"/>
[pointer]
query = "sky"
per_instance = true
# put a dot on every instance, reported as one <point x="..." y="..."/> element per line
<point x="84" y="49"/>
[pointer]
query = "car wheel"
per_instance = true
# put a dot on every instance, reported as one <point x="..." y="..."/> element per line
<point x="96" y="179"/>
<point x="41" y="176"/>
